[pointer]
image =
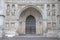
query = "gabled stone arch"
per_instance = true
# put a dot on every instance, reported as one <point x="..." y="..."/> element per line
<point x="35" y="7"/>
<point x="27" y="8"/>
<point x="22" y="18"/>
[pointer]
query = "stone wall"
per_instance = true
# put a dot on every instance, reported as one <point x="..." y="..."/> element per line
<point x="10" y="23"/>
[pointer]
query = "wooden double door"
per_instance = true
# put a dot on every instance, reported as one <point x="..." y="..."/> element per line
<point x="30" y="25"/>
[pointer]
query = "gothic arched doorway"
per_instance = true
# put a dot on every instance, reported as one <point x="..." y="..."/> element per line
<point x="30" y="25"/>
<point x="29" y="21"/>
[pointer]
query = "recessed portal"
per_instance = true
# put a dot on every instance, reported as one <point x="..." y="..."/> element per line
<point x="30" y="25"/>
<point x="30" y="21"/>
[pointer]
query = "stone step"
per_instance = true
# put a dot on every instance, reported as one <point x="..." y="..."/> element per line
<point x="29" y="38"/>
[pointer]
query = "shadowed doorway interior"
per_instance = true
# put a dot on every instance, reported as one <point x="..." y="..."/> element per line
<point x="30" y="25"/>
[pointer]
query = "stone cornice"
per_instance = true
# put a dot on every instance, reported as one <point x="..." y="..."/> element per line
<point x="31" y="0"/>
<point x="31" y="3"/>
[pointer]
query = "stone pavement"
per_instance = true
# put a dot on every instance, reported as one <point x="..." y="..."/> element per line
<point x="29" y="38"/>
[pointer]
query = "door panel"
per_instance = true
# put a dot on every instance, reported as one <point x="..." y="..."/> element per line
<point x="30" y="25"/>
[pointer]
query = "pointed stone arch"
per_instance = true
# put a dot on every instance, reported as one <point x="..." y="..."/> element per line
<point x="35" y="7"/>
<point x="30" y="12"/>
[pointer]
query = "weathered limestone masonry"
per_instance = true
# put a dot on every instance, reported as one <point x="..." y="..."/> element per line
<point x="14" y="14"/>
<point x="2" y="16"/>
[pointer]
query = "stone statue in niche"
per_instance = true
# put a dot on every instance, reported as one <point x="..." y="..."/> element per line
<point x="48" y="10"/>
<point x="49" y="26"/>
<point x="53" y="10"/>
<point x="53" y="25"/>
<point x="8" y="10"/>
<point x="13" y="10"/>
